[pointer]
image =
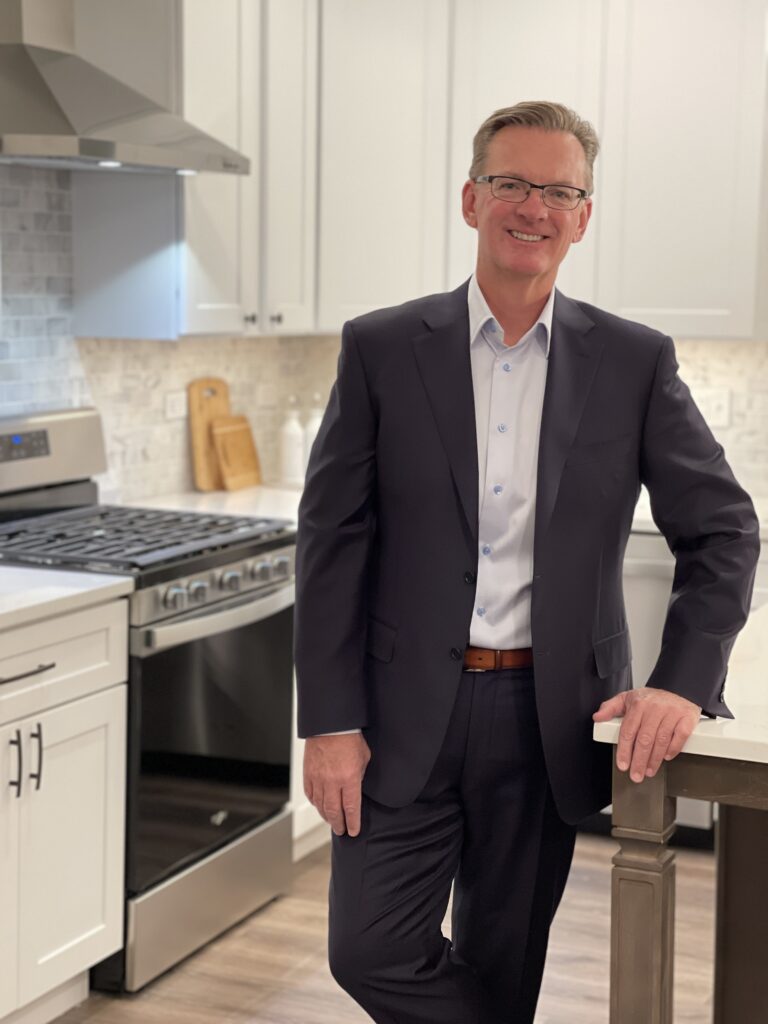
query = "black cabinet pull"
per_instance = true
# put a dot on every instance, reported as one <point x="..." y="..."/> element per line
<point x="38" y="775"/>
<point x="16" y="783"/>
<point x="32" y="672"/>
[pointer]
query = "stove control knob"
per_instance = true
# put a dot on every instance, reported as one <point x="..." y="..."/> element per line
<point x="281" y="567"/>
<point x="261" y="571"/>
<point x="175" y="598"/>
<point x="232" y="580"/>
<point x="198" y="591"/>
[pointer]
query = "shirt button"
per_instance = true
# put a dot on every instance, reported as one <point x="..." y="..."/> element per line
<point x="469" y="577"/>
<point x="506" y="367"/>
<point x="486" y="549"/>
<point x="502" y="428"/>
<point x="497" y="489"/>
<point x="481" y="612"/>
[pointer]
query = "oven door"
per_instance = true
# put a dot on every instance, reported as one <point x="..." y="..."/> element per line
<point x="209" y="739"/>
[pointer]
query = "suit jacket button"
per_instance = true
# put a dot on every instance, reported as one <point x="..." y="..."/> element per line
<point x="455" y="653"/>
<point x="469" y="577"/>
<point x="722" y="695"/>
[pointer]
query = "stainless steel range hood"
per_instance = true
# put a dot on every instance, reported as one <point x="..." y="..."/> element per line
<point x="59" y="108"/>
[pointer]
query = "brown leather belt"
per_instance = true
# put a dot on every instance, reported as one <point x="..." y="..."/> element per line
<point x="482" y="659"/>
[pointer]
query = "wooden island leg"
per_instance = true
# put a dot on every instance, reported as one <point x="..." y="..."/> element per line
<point x="642" y="901"/>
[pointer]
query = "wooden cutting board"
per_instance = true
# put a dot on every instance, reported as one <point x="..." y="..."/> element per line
<point x="236" y="451"/>
<point x="208" y="399"/>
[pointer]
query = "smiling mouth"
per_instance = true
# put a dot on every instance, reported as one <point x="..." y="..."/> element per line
<point x="522" y="237"/>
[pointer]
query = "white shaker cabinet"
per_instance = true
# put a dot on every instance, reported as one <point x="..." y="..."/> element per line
<point x="159" y="255"/>
<point x="383" y="143"/>
<point x="62" y="799"/>
<point x="70" y="836"/>
<point x="505" y="53"/>
<point x="680" y="172"/>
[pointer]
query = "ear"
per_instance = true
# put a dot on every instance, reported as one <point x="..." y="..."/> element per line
<point x="469" y="203"/>
<point x="581" y="225"/>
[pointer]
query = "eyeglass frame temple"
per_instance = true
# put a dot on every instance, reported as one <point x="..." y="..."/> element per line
<point x="488" y="179"/>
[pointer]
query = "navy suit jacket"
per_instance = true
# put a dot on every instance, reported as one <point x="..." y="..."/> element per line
<point x="388" y="539"/>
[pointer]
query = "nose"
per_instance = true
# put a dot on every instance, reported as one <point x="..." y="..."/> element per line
<point x="533" y="207"/>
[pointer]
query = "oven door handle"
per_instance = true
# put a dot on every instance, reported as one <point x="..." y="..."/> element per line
<point x="145" y="642"/>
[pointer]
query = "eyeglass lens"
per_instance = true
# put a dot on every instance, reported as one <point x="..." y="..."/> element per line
<point x="557" y="197"/>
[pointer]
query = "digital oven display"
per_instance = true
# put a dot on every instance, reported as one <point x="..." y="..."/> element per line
<point x="31" y="445"/>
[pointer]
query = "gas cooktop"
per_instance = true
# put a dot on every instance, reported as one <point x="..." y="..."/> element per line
<point x="111" y="538"/>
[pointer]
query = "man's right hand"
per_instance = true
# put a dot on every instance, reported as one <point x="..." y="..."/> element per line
<point x="333" y="772"/>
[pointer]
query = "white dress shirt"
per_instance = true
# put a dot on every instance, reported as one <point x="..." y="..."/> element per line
<point x="508" y="383"/>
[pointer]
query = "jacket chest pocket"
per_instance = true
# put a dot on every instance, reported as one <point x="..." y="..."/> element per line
<point x="615" y="449"/>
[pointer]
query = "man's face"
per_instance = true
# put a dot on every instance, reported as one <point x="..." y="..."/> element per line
<point x="543" y="157"/>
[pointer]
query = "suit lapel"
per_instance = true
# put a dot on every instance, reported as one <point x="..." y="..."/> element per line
<point x="574" y="356"/>
<point x="442" y="357"/>
<point x="443" y="360"/>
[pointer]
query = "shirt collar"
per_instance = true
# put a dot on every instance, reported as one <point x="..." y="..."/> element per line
<point x="480" y="316"/>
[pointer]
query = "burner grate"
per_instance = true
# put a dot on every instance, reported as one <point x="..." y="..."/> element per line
<point x="125" y="538"/>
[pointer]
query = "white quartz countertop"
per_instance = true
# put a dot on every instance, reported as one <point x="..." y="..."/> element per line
<point x="27" y="595"/>
<point x="744" y="738"/>
<point x="277" y="502"/>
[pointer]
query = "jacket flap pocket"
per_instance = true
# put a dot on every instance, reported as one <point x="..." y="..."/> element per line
<point x="380" y="642"/>
<point x="612" y="653"/>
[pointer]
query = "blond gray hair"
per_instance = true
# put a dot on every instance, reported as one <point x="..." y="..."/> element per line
<point x="552" y="117"/>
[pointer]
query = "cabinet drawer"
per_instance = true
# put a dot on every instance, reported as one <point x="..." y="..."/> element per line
<point x="62" y="658"/>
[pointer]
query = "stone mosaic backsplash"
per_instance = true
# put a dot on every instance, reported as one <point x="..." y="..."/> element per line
<point x="43" y="367"/>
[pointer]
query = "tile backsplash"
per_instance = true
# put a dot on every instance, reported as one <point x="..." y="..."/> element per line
<point x="42" y="366"/>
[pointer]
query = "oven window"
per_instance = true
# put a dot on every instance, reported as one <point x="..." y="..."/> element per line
<point x="209" y="754"/>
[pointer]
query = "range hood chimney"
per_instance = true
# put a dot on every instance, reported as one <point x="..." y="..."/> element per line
<point x="58" y="108"/>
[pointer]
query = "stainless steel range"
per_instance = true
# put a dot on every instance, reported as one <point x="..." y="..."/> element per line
<point x="210" y="685"/>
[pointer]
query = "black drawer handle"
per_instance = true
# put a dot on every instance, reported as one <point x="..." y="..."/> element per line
<point x="32" y="672"/>
<point x="16" y="783"/>
<point x="37" y="776"/>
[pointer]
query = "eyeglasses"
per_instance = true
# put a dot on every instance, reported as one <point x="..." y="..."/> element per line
<point x="516" y="190"/>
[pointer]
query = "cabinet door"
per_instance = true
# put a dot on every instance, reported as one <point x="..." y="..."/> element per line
<point x="680" y="177"/>
<point x="211" y="204"/>
<point x="505" y="53"/>
<point x="290" y="165"/>
<point x="9" y="865"/>
<point x="71" y="840"/>
<point x="383" y="144"/>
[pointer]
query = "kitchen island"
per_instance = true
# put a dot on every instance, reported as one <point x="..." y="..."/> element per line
<point x="726" y="761"/>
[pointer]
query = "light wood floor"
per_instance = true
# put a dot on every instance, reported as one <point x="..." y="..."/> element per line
<point x="271" y="969"/>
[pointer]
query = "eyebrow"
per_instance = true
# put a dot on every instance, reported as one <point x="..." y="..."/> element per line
<point x="511" y="174"/>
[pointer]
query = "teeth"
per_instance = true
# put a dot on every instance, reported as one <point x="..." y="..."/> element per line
<point x="526" y="238"/>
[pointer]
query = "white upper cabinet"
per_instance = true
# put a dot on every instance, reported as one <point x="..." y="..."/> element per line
<point x="383" y="151"/>
<point x="680" y="175"/>
<point x="212" y="204"/>
<point x="505" y="53"/>
<point x="289" y="149"/>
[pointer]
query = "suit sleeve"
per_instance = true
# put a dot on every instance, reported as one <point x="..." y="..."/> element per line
<point x="336" y="529"/>
<point x="711" y="528"/>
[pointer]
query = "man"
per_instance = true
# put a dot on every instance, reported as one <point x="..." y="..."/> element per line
<point x="459" y="618"/>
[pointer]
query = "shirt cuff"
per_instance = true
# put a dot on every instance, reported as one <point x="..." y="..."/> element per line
<point x="344" y="732"/>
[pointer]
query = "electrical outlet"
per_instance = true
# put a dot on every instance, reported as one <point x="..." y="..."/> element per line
<point x="176" y="405"/>
<point x="715" y="405"/>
